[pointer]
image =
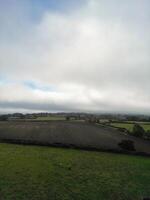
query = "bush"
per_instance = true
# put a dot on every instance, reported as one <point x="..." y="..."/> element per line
<point x="67" y="118"/>
<point x="138" y="131"/>
<point x="147" y="134"/>
<point x="127" y="145"/>
<point x="122" y="129"/>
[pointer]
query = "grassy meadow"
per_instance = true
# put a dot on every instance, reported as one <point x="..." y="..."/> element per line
<point x="129" y="126"/>
<point x="32" y="173"/>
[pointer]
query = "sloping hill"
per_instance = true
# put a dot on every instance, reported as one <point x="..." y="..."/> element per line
<point x="69" y="134"/>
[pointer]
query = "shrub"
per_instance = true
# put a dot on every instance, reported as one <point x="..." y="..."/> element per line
<point x="67" y="118"/>
<point x="127" y="145"/>
<point x="147" y="134"/>
<point x="138" y="131"/>
<point x="122" y="129"/>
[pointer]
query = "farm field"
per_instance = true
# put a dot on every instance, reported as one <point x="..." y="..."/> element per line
<point x="129" y="126"/>
<point x="51" y="118"/>
<point x="139" y="122"/>
<point x="32" y="172"/>
<point x="69" y="134"/>
<point x="123" y="125"/>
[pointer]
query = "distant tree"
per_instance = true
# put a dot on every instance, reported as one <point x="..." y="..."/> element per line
<point x="127" y="145"/>
<point x="3" y="118"/>
<point x="75" y="117"/>
<point x="67" y="118"/>
<point x="97" y="121"/>
<point x="138" y="131"/>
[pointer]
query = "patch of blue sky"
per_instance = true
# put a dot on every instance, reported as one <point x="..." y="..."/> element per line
<point x="33" y="10"/>
<point x="61" y="5"/>
<point x="38" y="86"/>
<point x="38" y="7"/>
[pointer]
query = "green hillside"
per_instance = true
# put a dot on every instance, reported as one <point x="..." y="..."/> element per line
<point x="43" y="173"/>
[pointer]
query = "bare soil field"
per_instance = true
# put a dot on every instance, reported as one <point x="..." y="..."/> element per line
<point x="69" y="134"/>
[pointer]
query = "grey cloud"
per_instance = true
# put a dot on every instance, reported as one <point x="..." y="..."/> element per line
<point x="97" y="56"/>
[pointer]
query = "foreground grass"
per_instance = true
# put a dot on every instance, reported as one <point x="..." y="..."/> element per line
<point x="129" y="126"/>
<point x="42" y="173"/>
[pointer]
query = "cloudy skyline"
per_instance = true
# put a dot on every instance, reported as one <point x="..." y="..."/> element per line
<point x="67" y="55"/>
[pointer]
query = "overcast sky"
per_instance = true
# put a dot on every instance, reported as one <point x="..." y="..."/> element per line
<point x="75" y="55"/>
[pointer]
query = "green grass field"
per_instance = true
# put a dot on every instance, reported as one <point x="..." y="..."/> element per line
<point x="129" y="126"/>
<point x="43" y="173"/>
<point x="123" y="125"/>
